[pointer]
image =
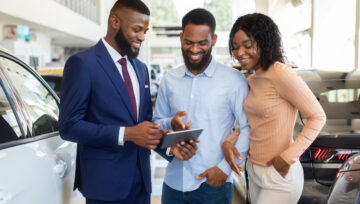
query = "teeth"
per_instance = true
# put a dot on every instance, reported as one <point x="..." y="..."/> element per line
<point x="137" y="45"/>
<point x="195" y="57"/>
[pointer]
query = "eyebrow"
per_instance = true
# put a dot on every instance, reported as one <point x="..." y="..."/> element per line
<point x="245" y="41"/>
<point x="196" y="42"/>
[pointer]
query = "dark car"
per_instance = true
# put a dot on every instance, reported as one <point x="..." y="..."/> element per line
<point x="54" y="82"/>
<point x="345" y="189"/>
<point x="338" y="93"/>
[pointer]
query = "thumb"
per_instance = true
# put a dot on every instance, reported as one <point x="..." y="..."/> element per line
<point x="201" y="176"/>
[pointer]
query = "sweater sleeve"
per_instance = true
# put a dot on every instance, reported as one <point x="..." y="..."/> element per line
<point x="293" y="89"/>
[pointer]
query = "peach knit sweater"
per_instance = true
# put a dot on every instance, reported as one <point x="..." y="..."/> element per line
<point x="274" y="98"/>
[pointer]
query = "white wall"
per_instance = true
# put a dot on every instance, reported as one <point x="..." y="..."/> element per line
<point x="53" y="15"/>
<point x="39" y="47"/>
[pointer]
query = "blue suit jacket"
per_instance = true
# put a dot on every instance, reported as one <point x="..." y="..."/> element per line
<point x="94" y="104"/>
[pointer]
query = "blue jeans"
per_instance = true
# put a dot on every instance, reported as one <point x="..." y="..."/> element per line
<point x="205" y="194"/>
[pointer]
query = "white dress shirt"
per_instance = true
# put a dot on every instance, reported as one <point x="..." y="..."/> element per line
<point x="134" y="80"/>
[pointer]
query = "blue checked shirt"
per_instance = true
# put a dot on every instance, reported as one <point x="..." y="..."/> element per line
<point x="214" y="100"/>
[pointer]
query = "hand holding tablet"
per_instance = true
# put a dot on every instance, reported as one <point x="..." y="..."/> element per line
<point x="173" y="138"/>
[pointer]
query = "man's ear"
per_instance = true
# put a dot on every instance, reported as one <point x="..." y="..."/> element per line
<point x="181" y="36"/>
<point x="213" y="39"/>
<point x="114" y="22"/>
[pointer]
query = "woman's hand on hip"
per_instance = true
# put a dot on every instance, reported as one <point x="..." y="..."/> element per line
<point x="280" y="165"/>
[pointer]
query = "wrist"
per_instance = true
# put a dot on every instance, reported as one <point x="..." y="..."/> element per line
<point x="127" y="134"/>
<point x="280" y="163"/>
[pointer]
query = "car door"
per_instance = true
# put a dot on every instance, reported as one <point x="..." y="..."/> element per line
<point x="340" y="137"/>
<point x="37" y="166"/>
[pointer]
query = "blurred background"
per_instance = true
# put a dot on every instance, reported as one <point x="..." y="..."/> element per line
<point x="320" y="34"/>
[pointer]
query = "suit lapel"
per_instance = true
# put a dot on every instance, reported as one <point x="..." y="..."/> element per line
<point x="140" y="78"/>
<point x="112" y="72"/>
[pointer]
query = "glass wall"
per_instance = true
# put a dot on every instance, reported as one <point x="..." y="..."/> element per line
<point x="87" y="8"/>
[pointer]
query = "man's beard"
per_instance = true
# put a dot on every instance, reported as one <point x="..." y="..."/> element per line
<point x="197" y="66"/>
<point x="125" y="46"/>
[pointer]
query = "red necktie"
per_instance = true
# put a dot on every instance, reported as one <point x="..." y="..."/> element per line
<point x="128" y="84"/>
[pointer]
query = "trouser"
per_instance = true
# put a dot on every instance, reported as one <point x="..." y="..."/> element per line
<point x="205" y="194"/>
<point x="266" y="185"/>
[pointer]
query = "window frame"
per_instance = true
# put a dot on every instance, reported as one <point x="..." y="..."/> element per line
<point x="18" y="108"/>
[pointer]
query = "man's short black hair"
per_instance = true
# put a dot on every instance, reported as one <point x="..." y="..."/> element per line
<point x="137" y="5"/>
<point x="199" y="16"/>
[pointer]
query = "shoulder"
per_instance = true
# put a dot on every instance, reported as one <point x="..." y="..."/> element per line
<point x="82" y="56"/>
<point x="231" y="74"/>
<point x="178" y="72"/>
<point x="281" y="71"/>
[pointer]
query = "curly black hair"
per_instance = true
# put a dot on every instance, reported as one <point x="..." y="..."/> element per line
<point x="263" y="30"/>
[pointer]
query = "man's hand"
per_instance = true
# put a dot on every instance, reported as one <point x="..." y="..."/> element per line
<point x="145" y="134"/>
<point x="230" y="151"/>
<point x="214" y="176"/>
<point x="184" y="150"/>
<point x="280" y="165"/>
<point x="177" y="121"/>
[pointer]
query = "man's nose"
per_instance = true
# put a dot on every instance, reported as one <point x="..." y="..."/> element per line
<point x="141" y="36"/>
<point x="195" y="48"/>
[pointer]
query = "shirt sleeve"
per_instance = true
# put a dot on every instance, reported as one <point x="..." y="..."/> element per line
<point x="121" y="136"/>
<point x="293" y="89"/>
<point x="162" y="113"/>
<point x="242" y="144"/>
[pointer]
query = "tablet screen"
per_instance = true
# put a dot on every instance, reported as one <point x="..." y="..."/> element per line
<point x="175" y="137"/>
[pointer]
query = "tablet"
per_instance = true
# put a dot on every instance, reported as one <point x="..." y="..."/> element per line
<point x="175" y="137"/>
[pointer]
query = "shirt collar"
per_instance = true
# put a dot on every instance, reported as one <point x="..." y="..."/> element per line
<point x="209" y="71"/>
<point x="115" y="56"/>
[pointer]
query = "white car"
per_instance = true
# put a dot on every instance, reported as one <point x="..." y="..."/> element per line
<point x="36" y="165"/>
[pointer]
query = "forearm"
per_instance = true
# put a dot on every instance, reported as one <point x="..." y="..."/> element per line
<point x="88" y="133"/>
<point x="310" y="131"/>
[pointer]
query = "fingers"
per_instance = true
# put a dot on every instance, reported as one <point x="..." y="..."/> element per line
<point x="177" y="121"/>
<point x="157" y="132"/>
<point x="201" y="176"/>
<point x="236" y="153"/>
<point x="232" y="163"/>
<point x="186" y="149"/>
<point x="188" y="125"/>
<point x="181" y="113"/>
<point x="150" y="124"/>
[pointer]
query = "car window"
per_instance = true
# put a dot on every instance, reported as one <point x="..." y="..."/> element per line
<point x="9" y="128"/>
<point x="341" y="96"/>
<point x="39" y="103"/>
<point x="340" y="100"/>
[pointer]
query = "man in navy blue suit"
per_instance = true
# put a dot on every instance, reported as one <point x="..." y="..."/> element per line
<point x="106" y="108"/>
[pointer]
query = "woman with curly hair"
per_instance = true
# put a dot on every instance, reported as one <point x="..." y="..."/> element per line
<point x="276" y="94"/>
